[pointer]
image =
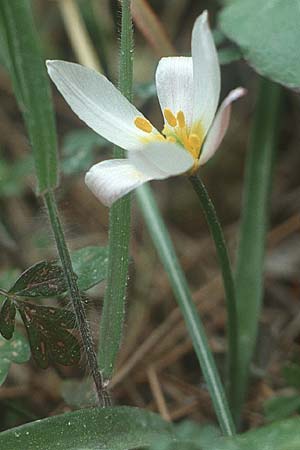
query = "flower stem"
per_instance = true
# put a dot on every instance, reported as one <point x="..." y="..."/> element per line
<point x="228" y="281"/>
<point x="75" y="296"/>
<point x="112" y="318"/>
<point x="164" y="246"/>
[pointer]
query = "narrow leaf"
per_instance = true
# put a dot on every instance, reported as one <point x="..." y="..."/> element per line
<point x="113" y="313"/>
<point x="89" y="429"/>
<point x="20" y="44"/>
<point x="164" y="246"/>
<point x="251" y="250"/>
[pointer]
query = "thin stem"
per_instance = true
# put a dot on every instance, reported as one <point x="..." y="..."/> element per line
<point x="165" y="249"/>
<point x="75" y="296"/>
<point x="112" y="318"/>
<point x="228" y="281"/>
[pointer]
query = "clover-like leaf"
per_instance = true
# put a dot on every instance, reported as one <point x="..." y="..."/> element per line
<point x="7" y="319"/>
<point x="15" y="350"/>
<point x="43" y="279"/>
<point x="268" y="35"/>
<point x="49" y="334"/>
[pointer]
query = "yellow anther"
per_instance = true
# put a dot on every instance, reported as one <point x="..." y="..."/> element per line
<point x="171" y="139"/>
<point x="195" y="141"/>
<point x="170" y="118"/>
<point x="143" y="124"/>
<point x="181" y="119"/>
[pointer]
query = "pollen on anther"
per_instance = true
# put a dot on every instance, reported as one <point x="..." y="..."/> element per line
<point x="143" y="124"/>
<point x="170" y="118"/>
<point x="181" y="119"/>
<point x="195" y="141"/>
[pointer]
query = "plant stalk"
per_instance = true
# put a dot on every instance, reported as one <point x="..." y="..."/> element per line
<point x="113" y="312"/>
<point x="228" y="280"/>
<point x="82" y="322"/>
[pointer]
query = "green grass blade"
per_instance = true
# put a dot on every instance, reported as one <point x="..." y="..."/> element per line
<point x="251" y="250"/>
<point x="165" y="249"/>
<point x="119" y="231"/>
<point x="19" y="41"/>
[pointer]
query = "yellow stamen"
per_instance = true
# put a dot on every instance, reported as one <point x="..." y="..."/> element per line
<point x="195" y="141"/>
<point x="170" y="118"/>
<point x="143" y="124"/>
<point x="171" y="139"/>
<point x="181" y="119"/>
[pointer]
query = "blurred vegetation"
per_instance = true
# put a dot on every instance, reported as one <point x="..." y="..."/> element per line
<point x="155" y="336"/>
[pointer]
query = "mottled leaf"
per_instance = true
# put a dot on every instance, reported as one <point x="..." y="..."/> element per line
<point x="49" y="335"/>
<point x="43" y="279"/>
<point x="7" y="319"/>
<point x="15" y="350"/>
<point x="90" y="265"/>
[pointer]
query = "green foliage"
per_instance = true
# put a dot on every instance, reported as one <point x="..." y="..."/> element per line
<point x="89" y="429"/>
<point x="7" y="319"/>
<point x="15" y="350"/>
<point x="164" y="246"/>
<point x="49" y="335"/>
<point x="78" y="150"/>
<point x="49" y="328"/>
<point x="124" y="428"/>
<point x="90" y="265"/>
<point x="268" y="34"/>
<point x="20" y="44"/>
<point x="44" y="279"/>
<point x="79" y="394"/>
<point x="278" y="408"/>
<point x="253" y="228"/>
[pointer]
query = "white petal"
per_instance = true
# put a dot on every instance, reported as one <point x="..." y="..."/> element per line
<point x="174" y="84"/>
<point x="111" y="180"/>
<point x="98" y="103"/>
<point x="219" y="126"/>
<point x="160" y="160"/>
<point x="206" y="73"/>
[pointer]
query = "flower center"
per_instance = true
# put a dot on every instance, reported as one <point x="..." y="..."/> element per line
<point x="190" y="138"/>
<point x="175" y="130"/>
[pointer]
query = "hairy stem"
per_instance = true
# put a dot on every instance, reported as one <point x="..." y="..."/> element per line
<point x="75" y="296"/>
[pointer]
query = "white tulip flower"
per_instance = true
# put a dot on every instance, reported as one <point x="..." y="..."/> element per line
<point x="188" y="90"/>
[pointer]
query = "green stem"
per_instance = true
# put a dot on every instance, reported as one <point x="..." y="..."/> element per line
<point x="253" y="228"/>
<point x="165" y="249"/>
<point x="75" y="296"/>
<point x="112" y="319"/>
<point x="228" y="281"/>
